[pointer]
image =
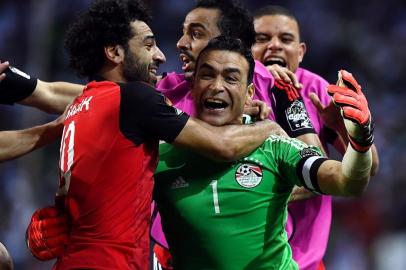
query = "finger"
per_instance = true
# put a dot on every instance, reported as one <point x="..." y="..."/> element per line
<point x="44" y="255"/>
<point x="263" y="108"/>
<point x="294" y="80"/>
<point x="57" y="241"/>
<point x="252" y="111"/>
<point x="350" y="81"/>
<point x="55" y="231"/>
<point x="47" y="212"/>
<point x="283" y="73"/>
<point x="316" y="102"/>
<point x="4" y="66"/>
<point x="273" y="72"/>
<point x="356" y="115"/>
<point x="343" y="100"/>
<point x="265" y="112"/>
<point x="53" y="222"/>
<point x="333" y="89"/>
<point x="57" y="252"/>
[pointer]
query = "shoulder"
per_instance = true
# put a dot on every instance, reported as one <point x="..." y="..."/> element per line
<point x="171" y="80"/>
<point x="307" y="77"/>
<point x="275" y="141"/>
<point x="138" y="91"/>
<point x="261" y="71"/>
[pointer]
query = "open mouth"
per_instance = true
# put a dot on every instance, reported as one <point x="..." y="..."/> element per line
<point x="153" y="71"/>
<point x="187" y="62"/>
<point x="275" y="60"/>
<point x="215" y="104"/>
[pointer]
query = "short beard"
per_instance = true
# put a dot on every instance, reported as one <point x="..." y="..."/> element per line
<point x="133" y="69"/>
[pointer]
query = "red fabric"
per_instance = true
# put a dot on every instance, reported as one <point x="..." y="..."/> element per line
<point x="47" y="233"/>
<point x="163" y="256"/>
<point x="321" y="266"/>
<point x="109" y="190"/>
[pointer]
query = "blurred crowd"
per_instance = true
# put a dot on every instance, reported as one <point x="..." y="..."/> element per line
<point x="367" y="38"/>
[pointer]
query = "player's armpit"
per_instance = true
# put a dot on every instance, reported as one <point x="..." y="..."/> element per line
<point x="53" y="97"/>
<point x="225" y="143"/>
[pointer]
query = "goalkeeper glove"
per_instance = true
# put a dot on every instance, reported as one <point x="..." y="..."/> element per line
<point x="348" y="96"/>
<point x="47" y="233"/>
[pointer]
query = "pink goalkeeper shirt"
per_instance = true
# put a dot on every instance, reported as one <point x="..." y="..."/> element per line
<point x="309" y="220"/>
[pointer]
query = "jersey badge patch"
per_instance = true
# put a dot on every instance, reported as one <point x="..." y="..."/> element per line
<point x="248" y="175"/>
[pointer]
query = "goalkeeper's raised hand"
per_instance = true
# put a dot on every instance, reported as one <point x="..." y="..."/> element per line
<point x="47" y="233"/>
<point x="348" y="96"/>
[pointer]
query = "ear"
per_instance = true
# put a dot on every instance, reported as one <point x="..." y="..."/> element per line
<point x="251" y="90"/>
<point x="114" y="53"/>
<point x="302" y="51"/>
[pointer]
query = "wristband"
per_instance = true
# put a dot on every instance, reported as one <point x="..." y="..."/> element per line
<point x="16" y="86"/>
<point x="290" y="111"/>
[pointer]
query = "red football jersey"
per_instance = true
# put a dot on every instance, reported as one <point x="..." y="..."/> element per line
<point x="107" y="160"/>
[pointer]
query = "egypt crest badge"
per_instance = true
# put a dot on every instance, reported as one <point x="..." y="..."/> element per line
<point x="248" y="175"/>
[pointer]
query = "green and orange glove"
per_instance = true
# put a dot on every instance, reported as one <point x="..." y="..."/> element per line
<point x="348" y="96"/>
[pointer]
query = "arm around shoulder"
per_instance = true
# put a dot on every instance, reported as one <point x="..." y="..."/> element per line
<point x="53" y="97"/>
<point x="225" y="143"/>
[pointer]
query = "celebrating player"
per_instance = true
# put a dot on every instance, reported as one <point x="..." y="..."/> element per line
<point x="110" y="139"/>
<point x="278" y="43"/>
<point x="16" y="143"/>
<point x="232" y="216"/>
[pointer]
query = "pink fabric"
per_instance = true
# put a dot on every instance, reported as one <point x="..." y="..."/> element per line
<point x="312" y="218"/>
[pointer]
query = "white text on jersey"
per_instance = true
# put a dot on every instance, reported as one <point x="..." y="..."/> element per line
<point x="74" y="109"/>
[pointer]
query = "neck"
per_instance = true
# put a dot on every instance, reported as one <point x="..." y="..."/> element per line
<point x="112" y="73"/>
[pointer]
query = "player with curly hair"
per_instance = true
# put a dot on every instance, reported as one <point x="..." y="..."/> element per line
<point x="110" y="139"/>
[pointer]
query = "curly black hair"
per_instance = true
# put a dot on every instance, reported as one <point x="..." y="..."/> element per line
<point x="235" y="21"/>
<point x="227" y="43"/>
<point x="105" y="23"/>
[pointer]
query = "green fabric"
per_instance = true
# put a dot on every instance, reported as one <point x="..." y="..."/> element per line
<point x="228" y="216"/>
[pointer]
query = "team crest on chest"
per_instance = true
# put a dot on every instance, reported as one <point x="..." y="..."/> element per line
<point x="248" y="175"/>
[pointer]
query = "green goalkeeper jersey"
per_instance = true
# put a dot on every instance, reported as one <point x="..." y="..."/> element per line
<point x="231" y="216"/>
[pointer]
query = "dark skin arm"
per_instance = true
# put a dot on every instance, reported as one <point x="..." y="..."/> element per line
<point x="16" y="143"/>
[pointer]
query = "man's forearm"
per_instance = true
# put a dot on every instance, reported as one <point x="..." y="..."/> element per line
<point x="225" y="143"/>
<point x="14" y="144"/>
<point x="244" y="139"/>
<point x="53" y="97"/>
<point x="356" y="169"/>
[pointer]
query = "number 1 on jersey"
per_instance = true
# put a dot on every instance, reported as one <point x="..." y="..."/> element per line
<point x="215" y="197"/>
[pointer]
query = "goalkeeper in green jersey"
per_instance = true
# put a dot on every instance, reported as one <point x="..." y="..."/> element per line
<point x="232" y="215"/>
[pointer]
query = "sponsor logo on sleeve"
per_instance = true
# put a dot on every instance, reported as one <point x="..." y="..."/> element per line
<point x="297" y="116"/>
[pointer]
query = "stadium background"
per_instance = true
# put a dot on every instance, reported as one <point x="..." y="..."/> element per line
<point x="365" y="37"/>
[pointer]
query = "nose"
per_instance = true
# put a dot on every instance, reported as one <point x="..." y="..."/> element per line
<point x="274" y="44"/>
<point x="159" y="56"/>
<point x="183" y="43"/>
<point x="217" y="85"/>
